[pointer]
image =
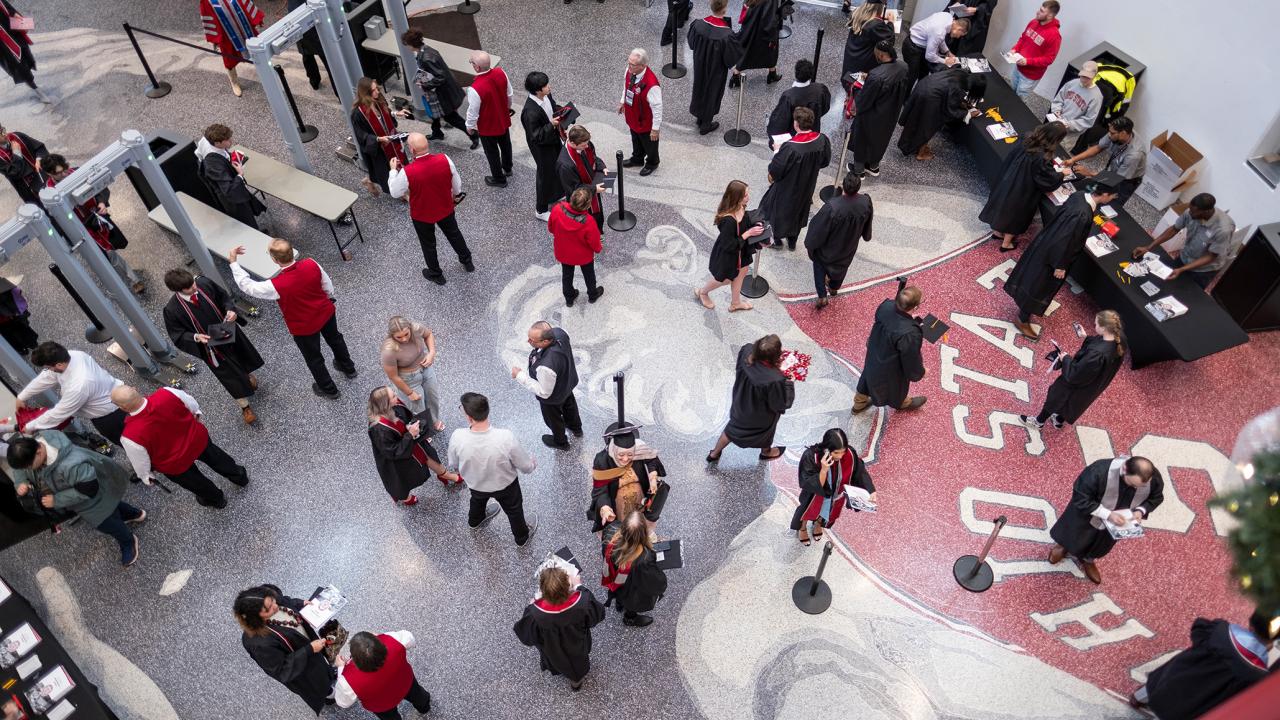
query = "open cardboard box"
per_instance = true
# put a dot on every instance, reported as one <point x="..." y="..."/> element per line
<point x="1166" y="221"/>
<point x="1158" y="194"/>
<point x="1171" y="159"/>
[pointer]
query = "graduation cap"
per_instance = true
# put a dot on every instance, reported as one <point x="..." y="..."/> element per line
<point x="1106" y="181"/>
<point x="933" y="328"/>
<point x="623" y="435"/>
<point x="569" y="114"/>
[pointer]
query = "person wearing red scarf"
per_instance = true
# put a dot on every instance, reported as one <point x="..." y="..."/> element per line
<point x="641" y="105"/>
<point x="402" y="448"/>
<point x="374" y="124"/>
<point x="15" y="51"/>
<point x="576" y="240"/>
<point x="21" y="160"/>
<point x="94" y="214"/>
<point x="579" y="165"/>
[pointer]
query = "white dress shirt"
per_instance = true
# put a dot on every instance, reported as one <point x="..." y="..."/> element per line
<point x="398" y="183"/>
<point x="544" y="102"/>
<point x="543" y="385"/>
<point x="473" y="101"/>
<point x="265" y="289"/>
<point x="139" y="456"/>
<point x="655" y="101"/>
<point x="84" y="390"/>
<point x="343" y="695"/>
<point x="931" y="34"/>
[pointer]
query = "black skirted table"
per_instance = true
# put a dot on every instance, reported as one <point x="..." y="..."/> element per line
<point x="1205" y="329"/>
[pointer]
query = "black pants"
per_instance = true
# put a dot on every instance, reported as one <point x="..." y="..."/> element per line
<point x="310" y="65"/>
<point x="643" y="150"/>
<point x="111" y="425"/>
<point x="310" y="347"/>
<point x="205" y="491"/>
<point x="421" y="700"/>
<point x="913" y="56"/>
<point x="1124" y="191"/>
<point x="1024" y="316"/>
<point x="497" y="150"/>
<point x="512" y="502"/>
<point x="452" y="117"/>
<point x="427" y="238"/>
<point x="559" y="417"/>
<point x="588" y="276"/>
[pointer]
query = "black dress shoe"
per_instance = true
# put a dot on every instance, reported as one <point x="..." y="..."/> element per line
<point x="569" y="300"/>
<point x="708" y="128"/>
<point x="773" y="78"/>
<point x="508" y="171"/>
<point x="632" y="162"/>
<point x="735" y="81"/>
<point x="594" y="295"/>
<point x="637" y="620"/>
<point x="437" y="278"/>
<point x="436" y="135"/>
<point x="492" y="181"/>
<point x="348" y="374"/>
<point x="315" y="388"/>
<point x="469" y="266"/>
<point x="550" y="441"/>
<point x="647" y="170"/>
<point x="576" y="433"/>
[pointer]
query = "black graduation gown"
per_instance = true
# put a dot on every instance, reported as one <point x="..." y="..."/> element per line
<point x="715" y="50"/>
<point x="545" y="146"/>
<point x="1016" y="196"/>
<point x="833" y="237"/>
<point x="367" y="139"/>
<point x="859" y="48"/>
<point x="25" y="179"/>
<point x="1083" y="378"/>
<point x="1074" y="529"/>
<point x="22" y="68"/>
<point x="731" y="252"/>
<point x="893" y="356"/>
<point x="761" y="394"/>
<point x="15" y="319"/>
<point x="230" y="189"/>
<point x="878" y="103"/>
<point x="1031" y="283"/>
<point x="811" y="485"/>
<point x="1206" y="674"/>
<point x="758" y="36"/>
<point x="234" y="360"/>
<point x="974" y="41"/>
<point x="794" y="170"/>
<point x="814" y="96"/>
<point x="935" y="101"/>
<point x="646" y="582"/>
<point x="607" y="494"/>
<point x="290" y="661"/>
<point x="393" y="454"/>
<point x="562" y="635"/>
<point x="567" y="172"/>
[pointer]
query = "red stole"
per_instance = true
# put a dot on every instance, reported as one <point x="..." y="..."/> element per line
<point x="545" y="606"/>
<point x="397" y="425"/>
<point x="6" y="153"/>
<point x="814" y="508"/>
<point x="10" y="38"/>
<point x="199" y="295"/>
<point x="614" y="576"/>
<point x="586" y="173"/>
<point x="100" y="230"/>
<point x="718" y="21"/>
<point x="383" y="126"/>
<point x="804" y="137"/>
<point x="742" y="15"/>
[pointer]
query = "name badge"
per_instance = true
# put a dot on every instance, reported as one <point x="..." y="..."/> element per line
<point x="630" y="96"/>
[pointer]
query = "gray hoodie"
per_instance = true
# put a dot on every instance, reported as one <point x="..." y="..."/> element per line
<point x="1077" y="106"/>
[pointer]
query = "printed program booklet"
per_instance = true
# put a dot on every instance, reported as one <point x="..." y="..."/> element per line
<point x="325" y="603"/>
<point x="1166" y="308"/>
<point x="1100" y="245"/>
<point x="858" y="499"/>
<point x="17" y="643"/>
<point x="1130" y="529"/>
<point x="50" y="689"/>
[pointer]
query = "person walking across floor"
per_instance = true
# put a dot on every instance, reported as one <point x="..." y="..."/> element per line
<point x="841" y="224"/>
<point x="732" y="252"/>
<point x="21" y="160"/>
<point x="760" y="23"/>
<point x="284" y="644"/>
<point x="552" y="375"/>
<point x="1120" y="491"/>
<point x="1036" y="49"/>
<point x="440" y="90"/>
<point x="84" y="391"/>
<point x="490" y="460"/>
<point x="893" y="356"/>
<point x="545" y="137"/>
<point x="761" y="394"/>
<point x="575" y="239"/>
<point x="402" y="448"/>
<point x="50" y="473"/>
<point x="164" y="434"/>
<point x="306" y="298"/>
<point x="825" y="469"/>
<point x="434" y="187"/>
<point x="374" y="123"/>
<point x="95" y="215"/>
<point x="1084" y="376"/>
<point x="489" y="116"/>
<point x="408" y="357"/>
<point x="222" y="171"/>
<point x="558" y="622"/>
<point x="377" y="674"/>
<point x="641" y="106"/>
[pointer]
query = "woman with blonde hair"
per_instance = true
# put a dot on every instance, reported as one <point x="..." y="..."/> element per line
<point x="1083" y="376"/>
<point x="402" y="449"/>
<point x="374" y="122"/>
<point x="408" y="358"/>
<point x="731" y="254"/>
<point x="866" y="28"/>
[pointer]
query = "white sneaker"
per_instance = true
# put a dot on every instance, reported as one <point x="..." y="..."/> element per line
<point x="543" y="216"/>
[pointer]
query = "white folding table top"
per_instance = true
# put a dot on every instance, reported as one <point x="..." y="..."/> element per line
<point x="221" y="232"/>
<point x="300" y="189"/>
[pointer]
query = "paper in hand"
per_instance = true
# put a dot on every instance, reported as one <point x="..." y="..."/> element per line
<point x="933" y="328"/>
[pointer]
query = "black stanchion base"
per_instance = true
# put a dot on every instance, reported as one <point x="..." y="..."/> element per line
<point x="754" y="286"/>
<point x="308" y="133"/>
<point x="737" y="138"/>
<point x="469" y="8"/>
<point x="674" y="70"/>
<point x="814" y="604"/>
<point x="784" y="32"/>
<point x="826" y="192"/>
<point x="96" y="335"/>
<point x="158" y="90"/>
<point x="621" y="220"/>
<point x="979" y="581"/>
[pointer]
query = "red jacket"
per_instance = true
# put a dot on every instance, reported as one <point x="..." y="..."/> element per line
<point x="1039" y="45"/>
<point x="575" y="238"/>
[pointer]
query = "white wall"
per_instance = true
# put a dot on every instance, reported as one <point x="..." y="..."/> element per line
<point x="1213" y="76"/>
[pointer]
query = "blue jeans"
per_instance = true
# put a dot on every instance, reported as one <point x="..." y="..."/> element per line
<point x="115" y="527"/>
<point x="1022" y="85"/>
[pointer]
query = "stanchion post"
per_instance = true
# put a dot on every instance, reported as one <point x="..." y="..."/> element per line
<point x="156" y="89"/>
<point x="737" y="137"/>
<point x="812" y="594"/>
<point x="674" y="69"/>
<point x="621" y="220"/>
<point x="95" y="333"/>
<point x="826" y="192"/>
<point x="469" y="8"/>
<point x="754" y="286"/>
<point x="817" y="52"/>
<point x="972" y="571"/>
<point x="305" y="131"/>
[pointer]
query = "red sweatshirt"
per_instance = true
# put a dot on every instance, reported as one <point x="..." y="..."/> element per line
<point x="1039" y="45"/>
<point x="575" y="238"/>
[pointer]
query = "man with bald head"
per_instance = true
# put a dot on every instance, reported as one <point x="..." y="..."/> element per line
<point x="434" y="188"/>
<point x="551" y="376"/>
<point x="489" y="116"/>
<point x="1110" y="497"/>
<point x="163" y="434"/>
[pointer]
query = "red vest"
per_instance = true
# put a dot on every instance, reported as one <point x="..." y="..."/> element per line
<point x="385" y="688"/>
<point x="172" y="436"/>
<point x="430" y="188"/>
<point x="492" y="88"/>
<point x="638" y="114"/>
<point x="303" y="302"/>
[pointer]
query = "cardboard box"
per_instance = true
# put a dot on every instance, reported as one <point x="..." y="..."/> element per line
<point x="1170" y="159"/>
<point x="1157" y="196"/>
<point x="1166" y="221"/>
